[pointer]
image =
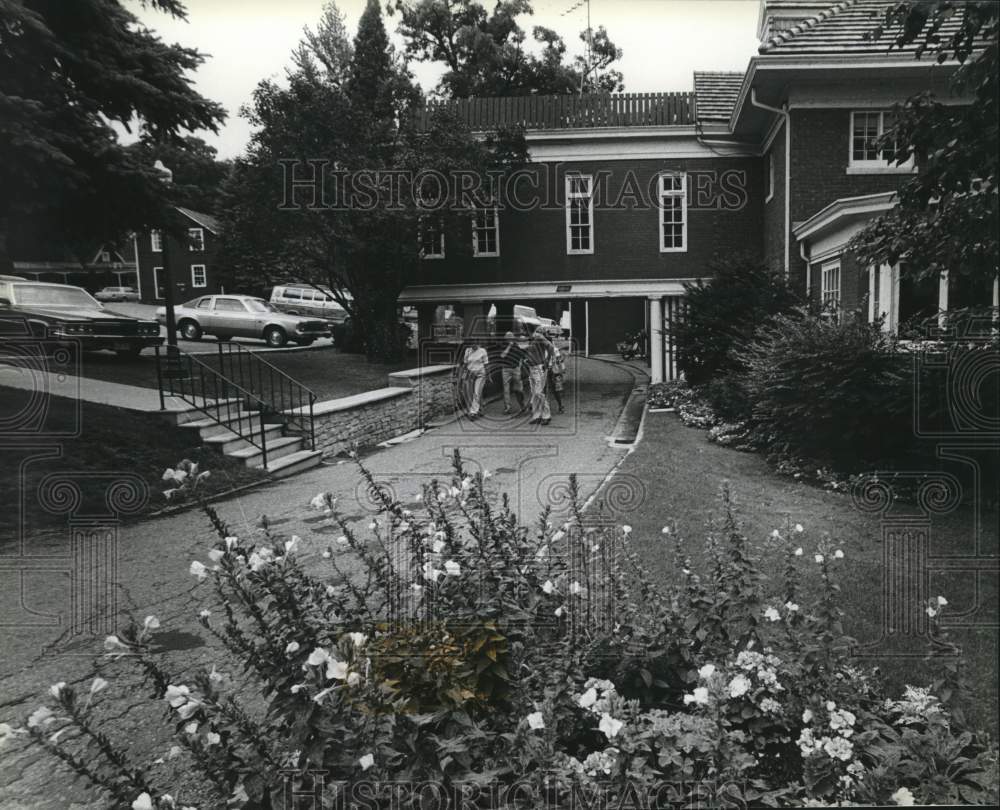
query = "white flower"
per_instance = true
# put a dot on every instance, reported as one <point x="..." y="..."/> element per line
<point x="318" y="657"/>
<point x="366" y="761"/>
<point x="706" y="672"/>
<point x="353" y="679"/>
<point x="610" y="726"/>
<point x="699" y="696"/>
<point x="342" y="540"/>
<point x="292" y="545"/>
<point x="588" y="698"/>
<point x="215" y="676"/>
<point x="417" y="588"/>
<point x="739" y="686"/>
<point x="56" y="689"/>
<point x="326" y="554"/>
<point x="319" y="502"/>
<point x="818" y="558"/>
<point x="838" y="554"/>
<point x="373" y="525"/>
<point x="177" y="696"/>
<point x="798" y="528"/>
<point x="212" y="738"/>
<point x="770" y="705"/>
<point x="231" y="542"/>
<point x="839" y="748"/>
<point x="548" y="587"/>
<point x="559" y="611"/>
<point x="330" y="590"/>
<point x="903" y="797"/>
<point x="772" y="615"/>
<point x="438" y="546"/>
<point x="535" y="721"/>
<point x="575" y="588"/>
<point x="204" y="613"/>
<point x="807" y="716"/>
<point x="41" y="716"/>
<point x="198" y="569"/>
<point x="798" y="551"/>
<point x="452" y="568"/>
<point x="97" y="685"/>
<point x="174" y="752"/>
<point x="558" y="536"/>
<point x="942" y="601"/>
<point x="830" y="706"/>
<point x="775" y="534"/>
<point x="296" y="688"/>
<point x="191" y="728"/>
<point x="932" y="612"/>
<point x="430" y="572"/>
<point x="151" y="623"/>
<point x="215" y="555"/>
<point x="336" y="670"/>
<point x="142" y="802"/>
<point x="358" y="639"/>
<point x="115" y="646"/>
<point x="626" y="529"/>
<point x="791" y="607"/>
<point x="665" y="530"/>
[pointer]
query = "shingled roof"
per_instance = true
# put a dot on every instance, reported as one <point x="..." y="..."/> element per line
<point x="716" y="94"/>
<point x="205" y="220"/>
<point x="841" y="29"/>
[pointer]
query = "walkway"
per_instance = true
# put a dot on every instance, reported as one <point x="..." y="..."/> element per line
<point x="531" y="463"/>
<point x="130" y="397"/>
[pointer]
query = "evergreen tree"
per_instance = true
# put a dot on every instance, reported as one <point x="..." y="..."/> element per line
<point x="68" y="71"/>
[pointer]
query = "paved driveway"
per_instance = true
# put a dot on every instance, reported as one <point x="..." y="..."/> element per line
<point x="531" y="463"/>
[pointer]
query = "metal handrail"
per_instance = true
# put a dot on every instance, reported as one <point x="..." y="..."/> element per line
<point x="187" y="378"/>
<point x="284" y="394"/>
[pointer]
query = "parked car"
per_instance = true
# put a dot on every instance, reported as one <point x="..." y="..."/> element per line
<point x="302" y="299"/>
<point x="61" y="313"/>
<point x="117" y="294"/>
<point x="229" y="316"/>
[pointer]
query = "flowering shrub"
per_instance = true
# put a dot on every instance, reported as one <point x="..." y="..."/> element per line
<point x="451" y="646"/>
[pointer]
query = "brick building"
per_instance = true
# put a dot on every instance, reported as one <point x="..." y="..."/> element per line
<point x="192" y="261"/>
<point x="630" y="196"/>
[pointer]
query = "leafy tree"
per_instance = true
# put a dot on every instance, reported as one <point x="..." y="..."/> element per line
<point x="485" y="55"/>
<point x="68" y="72"/>
<point x="724" y="313"/>
<point x="347" y="118"/>
<point x="946" y="218"/>
<point x="198" y="172"/>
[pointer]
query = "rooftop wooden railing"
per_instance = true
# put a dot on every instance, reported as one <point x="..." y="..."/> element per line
<point x="571" y="112"/>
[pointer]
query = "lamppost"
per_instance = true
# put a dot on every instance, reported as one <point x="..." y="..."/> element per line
<point x="168" y="273"/>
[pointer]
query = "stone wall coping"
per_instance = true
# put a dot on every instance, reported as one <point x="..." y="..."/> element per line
<point x="423" y="371"/>
<point x="354" y="401"/>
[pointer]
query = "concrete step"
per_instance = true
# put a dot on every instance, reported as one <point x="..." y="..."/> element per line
<point x="294" y="463"/>
<point x="228" y="441"/>
<point x="209" y="427"/>
<point x="276" y="448"/>
<point x="180" y="412"/>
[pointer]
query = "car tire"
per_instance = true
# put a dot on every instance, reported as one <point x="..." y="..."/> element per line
<point x="275" y="337"/>
<point x="129" y="354"/>
<point x="189" y="330"/>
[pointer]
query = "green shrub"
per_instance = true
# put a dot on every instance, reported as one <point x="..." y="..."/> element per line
<point x="452" y="647"/>
<point x="726" y="312"/>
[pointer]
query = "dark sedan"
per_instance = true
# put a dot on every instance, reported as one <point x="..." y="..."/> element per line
<point x="61" y="313"/>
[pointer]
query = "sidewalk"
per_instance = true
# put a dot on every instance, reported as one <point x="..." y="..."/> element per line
<point x="530" y="463"/>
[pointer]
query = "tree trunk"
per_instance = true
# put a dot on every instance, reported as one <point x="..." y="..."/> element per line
<point x="6" y="260"/>
<point x="379" y="327"/>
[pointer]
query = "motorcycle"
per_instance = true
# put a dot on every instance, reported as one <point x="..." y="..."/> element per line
<point x="633" y="345"/>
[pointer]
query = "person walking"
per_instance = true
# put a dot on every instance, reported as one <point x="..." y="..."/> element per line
<point x="557" y="374"/>
<point x="539" y="359"/>
<point x="475" y="361"/>
<point x="511" y="360"/>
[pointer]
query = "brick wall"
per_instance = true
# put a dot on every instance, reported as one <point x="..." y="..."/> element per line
<point x="774" y="209"/>
<point x="181" y="259"/>
<point x="724" y="215"/>
<point x="411" y="399"/>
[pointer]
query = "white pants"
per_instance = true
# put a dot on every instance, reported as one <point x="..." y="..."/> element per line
<point x="478" y="381"/>
<point x="539" y="400"/>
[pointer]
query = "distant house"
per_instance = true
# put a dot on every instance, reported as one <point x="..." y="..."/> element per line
<point x="192" y="261"/>
<point x="95" y="267"/>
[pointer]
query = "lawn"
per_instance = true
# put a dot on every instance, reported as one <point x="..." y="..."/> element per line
<point x="684" y="475"/>
<point x="108" y="441"/>
<point x="328" y="372"/>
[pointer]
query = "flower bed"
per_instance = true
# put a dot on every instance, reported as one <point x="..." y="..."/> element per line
<point x="448" y="654"/>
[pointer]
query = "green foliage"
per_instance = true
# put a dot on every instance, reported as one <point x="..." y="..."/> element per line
<point x="947" y="216"/>
<point x="484" y="53"/>
<point x="68" y="71"/>
<point x="725" y="312"/>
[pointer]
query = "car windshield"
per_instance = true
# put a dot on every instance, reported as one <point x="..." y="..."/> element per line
<point x="257" y="305"/>
<point x="41" y="295"/>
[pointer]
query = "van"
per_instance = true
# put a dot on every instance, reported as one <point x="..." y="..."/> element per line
<point x="303" y="299"/>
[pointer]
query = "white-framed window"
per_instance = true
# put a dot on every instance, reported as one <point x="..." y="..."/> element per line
<point x="830" y="287"/>
<point x="158" y="289"/>
<point x="105" y="257"/>
<point x="196" y="240"/>
<point x="198" y="276"/>
<point x="431" y="238"/>
<point x="486" y="232"/>
<point x="673" y="212"/>
<point x="770" y="177"/>
<point x="156" y="241"/>
<point x="867" y="126"/>
<point x="579" y="214"/>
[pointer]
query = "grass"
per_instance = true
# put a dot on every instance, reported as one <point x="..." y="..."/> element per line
<point x="684" y="474"/>
<point x="108" y="442"/>
<point x="328" y="372"/>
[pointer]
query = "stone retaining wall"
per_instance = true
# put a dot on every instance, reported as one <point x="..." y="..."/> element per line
<point x="411" y="399"/>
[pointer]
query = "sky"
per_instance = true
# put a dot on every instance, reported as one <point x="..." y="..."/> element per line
<point x="249" y="40"/>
